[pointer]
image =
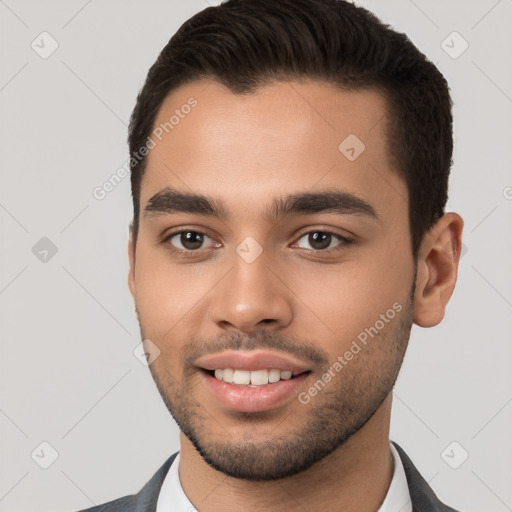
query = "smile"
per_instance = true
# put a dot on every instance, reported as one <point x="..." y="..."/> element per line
<point x="252" y="381"/>
<point x="253" y="378"/>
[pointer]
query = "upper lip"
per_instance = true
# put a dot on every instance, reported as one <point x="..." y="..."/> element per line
<point x="251" y="361"/>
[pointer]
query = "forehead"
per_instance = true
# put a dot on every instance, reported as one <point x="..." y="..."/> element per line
<point x="285" y="137"/>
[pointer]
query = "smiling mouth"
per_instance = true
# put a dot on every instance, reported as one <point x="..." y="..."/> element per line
<point x="254" y="378"/>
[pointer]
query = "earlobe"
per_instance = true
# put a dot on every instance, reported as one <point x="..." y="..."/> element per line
<point x="438" y="262"/>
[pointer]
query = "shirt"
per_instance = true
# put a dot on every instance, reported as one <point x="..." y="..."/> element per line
<point x="172" y="498"/>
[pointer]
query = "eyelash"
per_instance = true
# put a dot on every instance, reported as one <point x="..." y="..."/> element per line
<point x="344" y="241"/>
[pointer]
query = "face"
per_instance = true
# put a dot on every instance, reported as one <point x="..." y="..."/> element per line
<point x="273" y="270"/>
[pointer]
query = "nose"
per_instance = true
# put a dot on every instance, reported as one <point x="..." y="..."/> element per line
<point x="251" y="297"/>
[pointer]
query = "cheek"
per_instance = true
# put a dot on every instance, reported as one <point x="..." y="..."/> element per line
<point x="166" y="294"/>
<point x="335" y="306"/>
<point x="344" y="302"/>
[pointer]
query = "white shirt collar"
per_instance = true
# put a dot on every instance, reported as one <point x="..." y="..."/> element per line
<point x="397" y="498"/>
<point x="172" y="497"/>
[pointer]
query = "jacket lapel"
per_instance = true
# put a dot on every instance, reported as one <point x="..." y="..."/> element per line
<point x="146" y="499"/>
<point x="423" y="497"/>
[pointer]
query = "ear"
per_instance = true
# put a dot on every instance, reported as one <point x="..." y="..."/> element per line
<point x="438" y="263"/>
<point x="131" y="258"/>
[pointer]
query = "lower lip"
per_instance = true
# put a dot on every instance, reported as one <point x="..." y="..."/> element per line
<point x="253" y="399"/>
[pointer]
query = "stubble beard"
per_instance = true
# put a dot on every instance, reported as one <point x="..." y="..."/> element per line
<point x="339" y="410"/>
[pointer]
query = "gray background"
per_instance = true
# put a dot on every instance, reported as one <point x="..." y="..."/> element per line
<point x="68" y="375"/>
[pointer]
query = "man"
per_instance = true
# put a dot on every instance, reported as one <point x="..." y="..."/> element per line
<point x="290" y="161"/>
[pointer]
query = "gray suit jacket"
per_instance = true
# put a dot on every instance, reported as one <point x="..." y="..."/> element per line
<point x="422" y="496"/>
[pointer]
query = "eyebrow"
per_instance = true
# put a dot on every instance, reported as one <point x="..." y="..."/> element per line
<point x="169" y="200"/>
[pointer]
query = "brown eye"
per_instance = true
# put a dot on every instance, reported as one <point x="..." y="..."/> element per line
<point x="320" y="240"/>
<point x="188" y="240"/>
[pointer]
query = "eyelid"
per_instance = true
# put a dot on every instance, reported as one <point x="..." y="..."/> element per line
<point x="168" y="235"/>
<point x="184" y="228"/>
<point x="344" y="241"/>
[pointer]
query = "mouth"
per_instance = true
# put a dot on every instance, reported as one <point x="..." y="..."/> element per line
<point x="253" y="378"/>
<point x="252" y="381"/>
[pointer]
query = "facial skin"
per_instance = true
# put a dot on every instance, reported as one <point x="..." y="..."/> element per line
<point x="245" y="152"/>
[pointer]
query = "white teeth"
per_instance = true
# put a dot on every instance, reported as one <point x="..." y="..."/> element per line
<point x="259" y="377"/>
<point x="242" y="377"/>
<point x="274" y="375"/>
<point x="252" y="378"/>
<point x="227" y="375"/>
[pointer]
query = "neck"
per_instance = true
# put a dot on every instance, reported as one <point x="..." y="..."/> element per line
<point x="353" y="478"/>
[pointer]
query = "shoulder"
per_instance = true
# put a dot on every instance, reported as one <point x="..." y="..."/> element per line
<point x="423" y="498"/>
<point x="143" y="501"/>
